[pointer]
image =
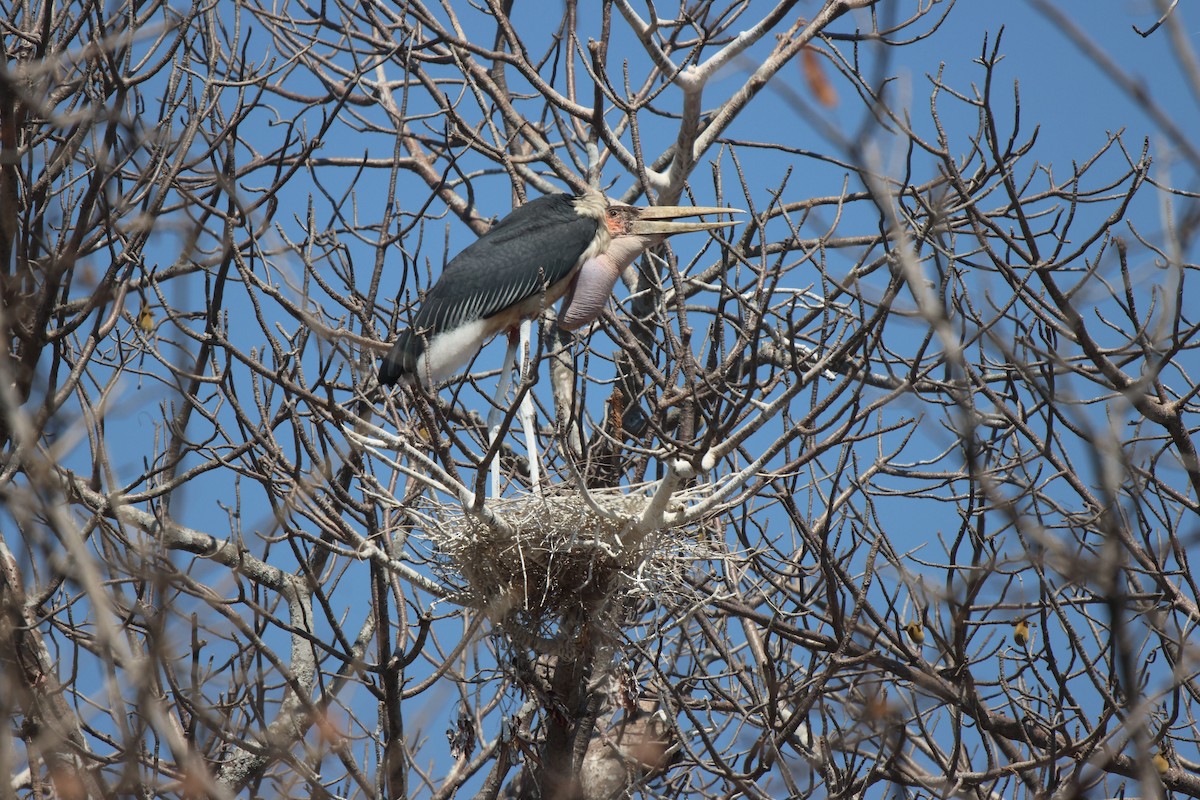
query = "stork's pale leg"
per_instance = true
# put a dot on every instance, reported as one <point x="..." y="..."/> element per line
<point x="494" y="416"/>
<point x="525" y="359"/>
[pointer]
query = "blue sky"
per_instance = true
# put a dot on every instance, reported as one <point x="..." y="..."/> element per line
<point x="1066" y="97"/>
<point x="1073" y="106"/>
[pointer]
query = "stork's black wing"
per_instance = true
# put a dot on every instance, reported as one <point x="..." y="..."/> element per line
<point x="535" y="246"/>
<point x="532" y="248"/>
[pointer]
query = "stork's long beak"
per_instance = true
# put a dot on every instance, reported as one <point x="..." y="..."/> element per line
<point x="653" y="220"/>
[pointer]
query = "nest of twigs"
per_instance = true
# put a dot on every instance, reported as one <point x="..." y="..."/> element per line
<point x="555" y="555"/>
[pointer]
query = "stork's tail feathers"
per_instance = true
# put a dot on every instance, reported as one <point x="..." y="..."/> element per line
<point x="399" y="361"/>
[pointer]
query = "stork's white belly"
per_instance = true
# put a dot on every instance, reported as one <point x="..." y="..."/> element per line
<point x="451" y="351"/>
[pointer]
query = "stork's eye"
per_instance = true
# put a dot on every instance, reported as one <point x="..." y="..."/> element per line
<point x="612" y="213"/>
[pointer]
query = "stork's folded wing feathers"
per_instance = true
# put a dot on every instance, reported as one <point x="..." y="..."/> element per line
<point x="533" y="248"/>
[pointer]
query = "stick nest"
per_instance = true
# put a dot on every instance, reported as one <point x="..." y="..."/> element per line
<point x="553" y="556"/>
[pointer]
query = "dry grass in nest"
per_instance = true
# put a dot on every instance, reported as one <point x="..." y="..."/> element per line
<point x="558" y="556"/>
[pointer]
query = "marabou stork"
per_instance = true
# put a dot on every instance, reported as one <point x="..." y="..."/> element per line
<point x="554" y="246"/>
<point x="551" y="247"/>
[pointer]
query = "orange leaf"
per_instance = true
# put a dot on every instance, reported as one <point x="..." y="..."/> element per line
<point x="818" y="82"/>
